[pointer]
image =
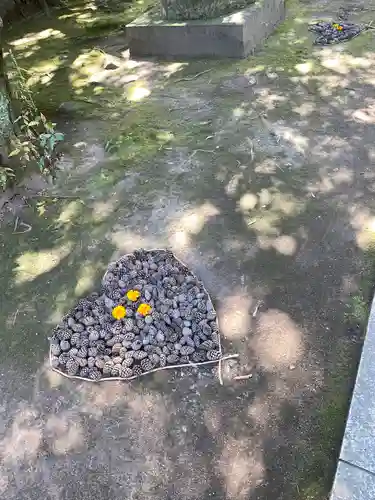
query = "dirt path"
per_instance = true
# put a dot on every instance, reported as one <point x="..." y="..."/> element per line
<point x="257" y="174"/>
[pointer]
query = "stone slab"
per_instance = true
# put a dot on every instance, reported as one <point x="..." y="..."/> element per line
<point x="235" y="35"/>
<point x="352" y="483"/>
<point x="358" y="446"/>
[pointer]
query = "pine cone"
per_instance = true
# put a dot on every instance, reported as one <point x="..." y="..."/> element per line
<point x="55" y="349"/>
<point x="162" y="360"/>
<point x="84" y="372"/>
<point x="122" y="352"/>
<point x="63" y="358"/>
<point x="92" y="352"/>
<point x="184" y="359"/>
<point x="72" y="366"/>
<point x="84" y="342"/>
<point x="91" y="362"/>
<point x="207" y="345"/>
<point x="127" y="362"/>
<point x="136" y="345"/>
<point x="173" y="337"/>
<point x="82" y="362"/>
<point x="206" y="330"/>
<point x="117" y="348"/>
<point x="119" y="338"/>
<point x="214" y="326"/>
<point x="173" y="359"/>
<point x="126" y="372"/>
<point x="186" y="350"/>
<point x="140" y="354"/>
<point x="129" y="336"/>
<point x="99" y="363"/>
<point x="147" y="365"/>
<point x="201" y="335"/>
<point x="116" y="328"/>
<point x="128" y="325"/>
<point x="75" y="338"/>
<point x="198" y="357"/>
<point x="65" y="346"/>
<point x="116" y="369"/>
<point x="137" y="371"/>
<point x="154" y="358"/>
<point x="197" y="341"/>
<point x="107" y="368"/>
<point x="95" y="374"/>
<point x="63" y="333"/>
<point x="214" y="354"/>
<point x="197" y="316"/>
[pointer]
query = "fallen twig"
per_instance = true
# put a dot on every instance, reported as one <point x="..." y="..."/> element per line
<point x="257" y="308"/>
<point x="52" y="196"/>
<point x="15" y="317"/>
<point x="244" y="377"/>
<point x="28" y="227"/>
<point x="188" y="79"/>
<point x="15" y="224"/>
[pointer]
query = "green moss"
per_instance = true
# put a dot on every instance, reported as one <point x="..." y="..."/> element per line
<point x="322" y="455"/>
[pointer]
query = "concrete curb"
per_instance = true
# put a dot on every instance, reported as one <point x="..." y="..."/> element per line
<point x="235" y="35"/>
<point x="355" y="475"/>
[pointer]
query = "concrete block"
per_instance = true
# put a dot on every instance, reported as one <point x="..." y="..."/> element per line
<point x="352" y="483"/>
<point x="235" y="35"/>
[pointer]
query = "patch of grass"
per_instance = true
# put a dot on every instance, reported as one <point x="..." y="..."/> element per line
<point x="330" y="421"/>
<point x="183" y="10"/>
<point x="359" y="304"/>
<point x="332" y="414"/>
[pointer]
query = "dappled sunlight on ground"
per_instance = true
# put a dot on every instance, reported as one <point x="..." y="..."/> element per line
<point x="32" y="264"/>
<point x="242" y="467"/>
<point x="278" y="341"/>
<point x="258" y="175"/>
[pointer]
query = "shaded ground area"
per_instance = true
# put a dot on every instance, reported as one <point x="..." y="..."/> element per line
<point x="258" y="175"/>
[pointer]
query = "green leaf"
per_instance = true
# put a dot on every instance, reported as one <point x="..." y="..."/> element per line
<point x="59" y="136"/>
<point x="15" y="152"/>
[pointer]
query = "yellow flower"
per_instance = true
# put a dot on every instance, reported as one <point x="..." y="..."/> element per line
<point x="119" y="312"/>
<point x="144" y="309"/>
<point x="133" y="295"/>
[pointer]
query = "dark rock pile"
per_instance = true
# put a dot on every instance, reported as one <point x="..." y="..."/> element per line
<point x="180" y="328"/>
<point x="328" y="33"/>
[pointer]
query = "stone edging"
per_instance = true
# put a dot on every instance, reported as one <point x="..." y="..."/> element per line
<point x="355" y="475"/>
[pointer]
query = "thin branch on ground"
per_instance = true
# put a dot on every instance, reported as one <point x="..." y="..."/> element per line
<point x="257" y="308"/>
<point x="20" y="223"/>
<point x="190" y="157"/>
<point x="52" y="196"/>
<point x="15" y="317"/>
<point x="188" y="79"/>
<point x="244" y="377"/>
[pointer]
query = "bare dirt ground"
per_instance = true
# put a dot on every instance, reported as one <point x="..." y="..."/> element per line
<point x="256" y="173"/>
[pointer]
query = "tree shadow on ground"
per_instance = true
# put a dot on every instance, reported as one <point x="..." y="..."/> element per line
<point x="268" y="197"/>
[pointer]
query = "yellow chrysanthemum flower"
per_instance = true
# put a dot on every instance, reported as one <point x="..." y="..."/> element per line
<point x="133" y="295"/>
<point x="119" y="312"/>
<point x="144" y="309"/>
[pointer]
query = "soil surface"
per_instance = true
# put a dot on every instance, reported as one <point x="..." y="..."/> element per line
<point x="258" y="175"/>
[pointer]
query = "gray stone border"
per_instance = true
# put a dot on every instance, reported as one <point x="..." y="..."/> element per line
<point x="235" y="35"/>
<point x="355" y="475"/>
